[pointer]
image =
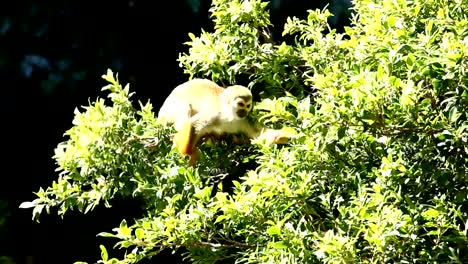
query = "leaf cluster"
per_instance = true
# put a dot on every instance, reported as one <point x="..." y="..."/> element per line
<point x="377" y="173"/>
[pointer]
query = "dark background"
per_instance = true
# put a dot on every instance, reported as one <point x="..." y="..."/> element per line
<point x="52" y="56"/>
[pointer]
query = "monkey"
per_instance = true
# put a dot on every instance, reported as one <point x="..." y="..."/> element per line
<point x="200" y="107"/>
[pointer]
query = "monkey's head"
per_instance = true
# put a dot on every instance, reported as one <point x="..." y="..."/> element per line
<point x="239" y="100"/>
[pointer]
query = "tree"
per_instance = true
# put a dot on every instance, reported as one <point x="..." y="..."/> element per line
<point x="377" y="173"/>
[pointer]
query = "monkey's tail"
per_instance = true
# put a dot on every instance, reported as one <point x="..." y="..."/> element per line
<point x="184" y="137"/>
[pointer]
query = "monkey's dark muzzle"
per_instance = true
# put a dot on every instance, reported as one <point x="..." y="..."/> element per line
<point x="241" y="113"/>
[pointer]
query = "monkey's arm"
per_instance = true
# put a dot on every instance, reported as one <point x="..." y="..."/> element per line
<point x="189" y="132"/>
<point x="269" y="135"/>
<point x="274" y="136"/>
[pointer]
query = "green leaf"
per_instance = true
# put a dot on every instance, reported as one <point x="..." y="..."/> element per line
<point x="220" y="218"/>
<point x="273" y="230"/>
<point x="37" y="210"/>
<point x="109" y="76"/>
<point x="430" y="214"/>
<point x="191" y="36"/>
<point x="410" y="59"/>
<point x="441" y="13"/>
<point x="280" y="245"/>
<point x="106" y="234"/>
<point x="104" y="255"/>
<point x="140" y="233"/>
<point x="124" y="230"/>
<point x="454" y="114"/>
<point x="27" y="204"/>
<point x="429" y="25"/>
<point x="146" y="225"/>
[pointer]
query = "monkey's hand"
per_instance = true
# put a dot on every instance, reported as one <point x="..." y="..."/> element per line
<point x="277" y="136"/>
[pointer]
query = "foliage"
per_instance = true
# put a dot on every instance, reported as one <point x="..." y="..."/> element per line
<point x="241" y="45"/>
<point x="378" y="173"/>
<point x="6" y="260"/>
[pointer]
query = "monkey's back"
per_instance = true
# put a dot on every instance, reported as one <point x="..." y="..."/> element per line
<point x="189" y="98"/>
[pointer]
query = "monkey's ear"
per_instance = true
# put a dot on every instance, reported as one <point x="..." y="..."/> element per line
<point x="183" y="138"/>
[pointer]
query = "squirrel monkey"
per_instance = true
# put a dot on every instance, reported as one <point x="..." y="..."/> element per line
<point x="200" y="107"/>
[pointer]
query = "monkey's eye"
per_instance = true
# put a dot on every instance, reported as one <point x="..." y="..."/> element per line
<point x="248" y="105"/>
<point x="240" y="104"/>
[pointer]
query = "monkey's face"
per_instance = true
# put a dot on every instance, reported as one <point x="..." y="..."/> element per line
<point x="242" y="107"/>
<point x="240" y="101"/>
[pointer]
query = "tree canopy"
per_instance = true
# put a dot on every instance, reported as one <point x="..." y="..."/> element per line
<point x="376" y="174"/>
